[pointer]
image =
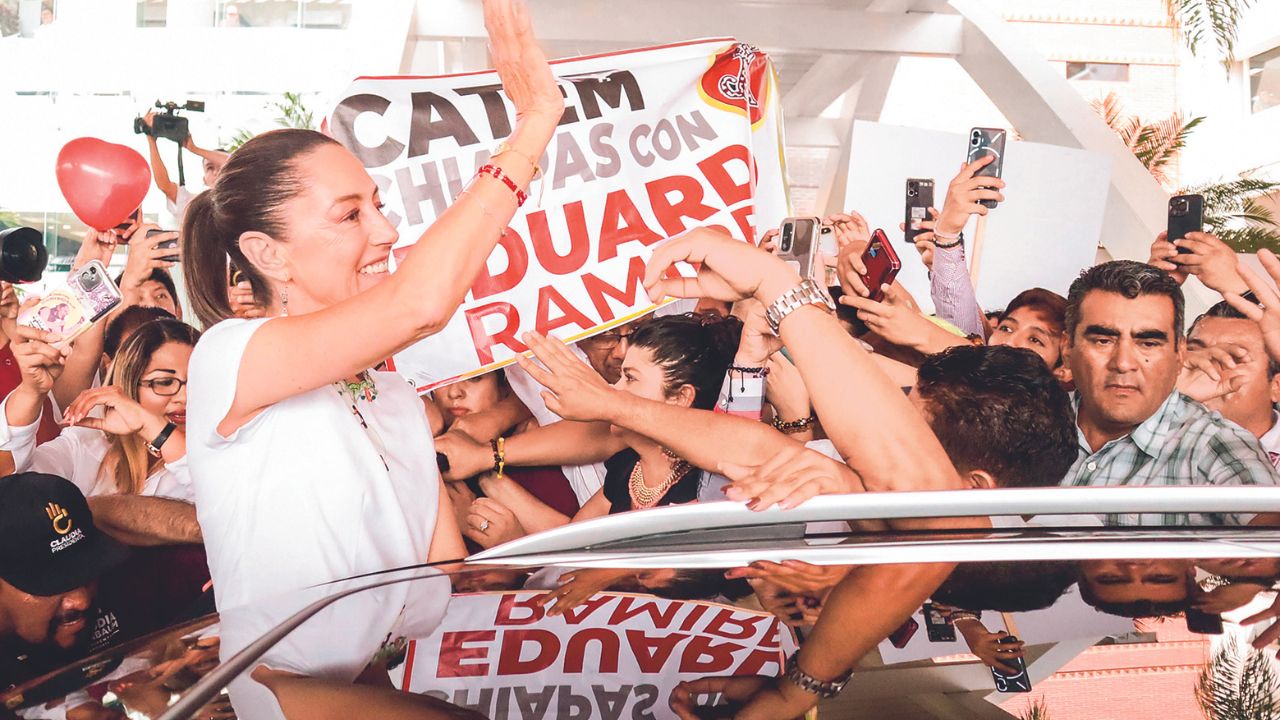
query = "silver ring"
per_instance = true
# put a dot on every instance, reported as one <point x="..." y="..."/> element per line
<point x="484" y="525"/>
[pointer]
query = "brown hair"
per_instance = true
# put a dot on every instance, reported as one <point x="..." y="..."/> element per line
<point x="127" y="461"/>
<point x="1049" y="303"/>
<point x="257" y="180"/>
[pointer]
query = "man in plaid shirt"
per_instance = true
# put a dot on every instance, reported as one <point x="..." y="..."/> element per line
<point x="1125" y="350"/>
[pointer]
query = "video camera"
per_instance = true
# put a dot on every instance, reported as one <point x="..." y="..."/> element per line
<point x="168" y="123"/>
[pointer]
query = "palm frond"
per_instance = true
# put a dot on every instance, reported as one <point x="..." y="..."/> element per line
<point x="1238" y="683"/>
<point x="1038" y="710"/>
<point x="1234" y="212"/>
<point x="1155" y="144"/>
<point x="1205" y="22"/>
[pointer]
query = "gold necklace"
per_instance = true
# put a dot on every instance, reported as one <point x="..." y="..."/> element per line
<point x="643" y="496"/>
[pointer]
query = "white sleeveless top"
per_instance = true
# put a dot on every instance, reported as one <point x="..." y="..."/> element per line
<point x="299" y="495"/>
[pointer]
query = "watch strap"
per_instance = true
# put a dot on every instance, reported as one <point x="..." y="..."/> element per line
<point x="810" y="684"/>
<point x="806" y="293"/>
<point x="154" y="446"/>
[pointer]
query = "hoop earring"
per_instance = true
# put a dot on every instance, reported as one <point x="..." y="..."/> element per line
<point x="284" y="301"/>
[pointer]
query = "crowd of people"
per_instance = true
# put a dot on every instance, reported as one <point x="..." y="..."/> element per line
<point x="272" y="452"/>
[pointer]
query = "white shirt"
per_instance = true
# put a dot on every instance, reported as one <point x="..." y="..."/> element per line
<point x="77" y="455"/>
<point x="178" y="206"/>
<point x="299" y="495"/>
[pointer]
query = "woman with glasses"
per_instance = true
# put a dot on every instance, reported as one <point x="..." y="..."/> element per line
<point x="136" y="444"/>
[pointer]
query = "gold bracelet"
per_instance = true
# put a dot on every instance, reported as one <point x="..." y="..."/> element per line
<point x="505" y="146"/>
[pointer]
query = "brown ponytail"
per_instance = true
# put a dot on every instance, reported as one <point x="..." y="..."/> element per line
<point x="257" y="180"/>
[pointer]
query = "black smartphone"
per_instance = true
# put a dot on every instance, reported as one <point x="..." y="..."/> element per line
<point x="904" y="633"/>
<point x="1186" y="215"/>
<point x="1203" y="623"/>
<point x="936" y="625"/>
<point x="987" y="141"/>
<point x="799" y="244"/>
<point x="1019" y="682"/>
<point x="167" y="245"/>
<point x="919" y="200"/>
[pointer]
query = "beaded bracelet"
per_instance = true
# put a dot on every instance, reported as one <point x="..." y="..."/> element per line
<point x="761" y="371"/>
<point x="499" y="455"/>
<point x="795" y="426"/>
<point x="956" y="241"/>
<point x="496" y="172"/>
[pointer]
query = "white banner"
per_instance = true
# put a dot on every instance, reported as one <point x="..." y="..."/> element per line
<point x="617" y="655"/>
<point x="653" y="142"/>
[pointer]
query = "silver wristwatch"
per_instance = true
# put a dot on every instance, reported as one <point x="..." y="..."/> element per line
<point x="810" y="684"/>
<point x="806" y="293"/>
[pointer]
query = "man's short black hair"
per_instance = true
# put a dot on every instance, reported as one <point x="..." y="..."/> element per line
<point x="1000" y="410"/>
<point x="1129" y="279"/>
<point x="1007" y="586"/>
<point x="163" y="277"/>
<point x="1223" y="309"/>
<point x="1137" y="608"/>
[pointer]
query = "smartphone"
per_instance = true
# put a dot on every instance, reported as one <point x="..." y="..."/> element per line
<point x="904" y="633"/>
<point x="1186" y="214"/>
<point x="1203" y="623"/>
<point x="1019" y="682"/>
<point x="881" y="262"/>
<point x="87" y="296"/>
<point x="919" y="200"/>
<point x="987" y="141"/>
<point x="938" y="627"/>
<point x="799" y="244"/>
<point x="167" y="245"/>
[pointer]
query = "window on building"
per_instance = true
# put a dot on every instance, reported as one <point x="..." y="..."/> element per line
<point x="1105" y="72"/>
<point x="1264" y="80"/>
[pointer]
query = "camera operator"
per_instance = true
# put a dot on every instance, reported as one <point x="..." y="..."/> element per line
<point x="177" y="195"/>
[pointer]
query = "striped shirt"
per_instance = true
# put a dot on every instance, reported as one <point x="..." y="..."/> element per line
<point x="1182" y="443"/>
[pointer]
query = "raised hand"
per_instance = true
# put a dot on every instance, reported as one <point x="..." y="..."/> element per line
<point x="520" y="63"/>
<point x="574" y="390"/>
<point x="145" y="255"/>
<point x="789" y="478"/>
<point x="1266" y="311"/>
<point x="794" y="576"/>
<point x="467" y="457"/>
<point x="964" y="194"/>
<point x="994" y="654"/>
<point x="491" y="523"/>
<point x="758" y="343"/>
<point x="123" y="416"/>
<point x="686" y="699"/>
<point x="39" y="361"/>
<point x="1162" y="254"/>
<point x="924" y="240"/>
<point x="1213" y="372"/>
<point x="1209" y="259"/>
<point x="96" y="245"/>
<point x="578" y="586"/>
<point x="728" y="270"/>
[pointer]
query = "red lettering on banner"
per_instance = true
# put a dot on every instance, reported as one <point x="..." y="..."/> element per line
<point x="692" y="618"/>
<point x="517" y="263"/>
<point x="741" y="216"/>
<point x="652" y="653"/>
<point x="510" y="603"/>
<point x="597" y="289"/>
<point x="758" y="660"/>
<point x="661" y="619"/>
<point x="569" y="315"/>
<point x="583" y="611"/>
<point x="771" y="637"/>
<point x="719" y="658"/>
<point x="622" y="224"/>
<point x="513" y="641"/>
<point x="453" y="651"/>
<point x="670" y="214"/>
<point x="726" y="618"/>
<point x="579" y="242"/>
<point x="576" y="650"/>
<point x="714" y="168"/>
<point x="484" y="340"/>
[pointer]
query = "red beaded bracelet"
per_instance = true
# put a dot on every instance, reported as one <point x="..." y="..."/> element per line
<point x="496" y="172"/>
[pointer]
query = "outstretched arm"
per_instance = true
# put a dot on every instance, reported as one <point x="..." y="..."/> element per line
<point x="141" y="520"/>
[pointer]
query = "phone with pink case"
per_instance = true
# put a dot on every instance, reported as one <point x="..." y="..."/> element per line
<point x="68" y="311"/>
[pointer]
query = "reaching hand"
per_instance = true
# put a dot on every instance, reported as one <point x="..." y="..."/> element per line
<point x="729" y="270"/>
<point x="793" y="609"/>
<point x="520" y="63"/>
<point x="964" y="194"/>
<point x="794" y="576"/>
<point x="467" y="457"/>
<point x="769" y="241"/>
<point x="849" y="227"/>
<point x="1266" y="312"/>
<point x="1226" y="598"/>
<point x="897" y="319"/>
<point x="758" y="342"/>
<point x="9" y="304"/>
<point x="145" y="255"/>
<point x="243" y="303"/>
<point x="98" y="246"/>
<point x="789" y="478"/>
<point x="686" y="698"/>
<point x="850" y="269"/>
<point x="123" y="416"/>
<point x="924" y="240"/>
<point x="40" y="362"/>
<point x="576" y="392"/>
<point x="578" y="586"/>
<point x="1213" y="372"/>
<point x="491" y="523"/>
<point x="1209" y="259"/>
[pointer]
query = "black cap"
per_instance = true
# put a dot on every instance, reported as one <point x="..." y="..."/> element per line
<point x="48" y="542"/>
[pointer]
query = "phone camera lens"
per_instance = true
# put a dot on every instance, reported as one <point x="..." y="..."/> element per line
<point x="976" y="141"/>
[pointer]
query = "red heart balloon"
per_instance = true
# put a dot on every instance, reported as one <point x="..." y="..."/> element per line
<point x="103" y="182"/>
